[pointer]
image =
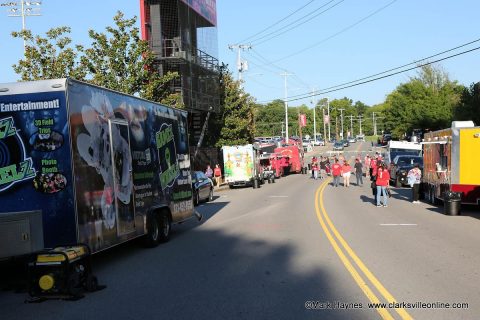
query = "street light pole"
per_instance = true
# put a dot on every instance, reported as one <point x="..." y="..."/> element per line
<point x="285" y="74"/>
<point x="374" y="124"/>
<point x="341" y="119"/>
<point x="314" y="117"/>
<point x="23" y="9"/>
<point x="329" y="120"/>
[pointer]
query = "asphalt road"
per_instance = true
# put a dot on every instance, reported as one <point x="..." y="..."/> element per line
<point x="281" y="250"/>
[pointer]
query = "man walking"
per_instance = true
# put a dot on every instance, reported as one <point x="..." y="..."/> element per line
<point x="336" y="173"/>
<point x="414" y="177"/>
<point x="358" y="172"/>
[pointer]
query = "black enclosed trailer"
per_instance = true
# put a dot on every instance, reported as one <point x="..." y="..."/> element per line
<point x="83" y="164"/>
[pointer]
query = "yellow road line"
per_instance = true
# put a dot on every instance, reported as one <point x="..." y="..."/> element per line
<point x="362" y="266"/>
<point x="319" y="199"/>
<point x="356" y="276"/>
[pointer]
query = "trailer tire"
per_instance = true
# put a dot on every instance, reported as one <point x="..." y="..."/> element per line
<point x="153" y="232"/>
<point x="165" y="226"/>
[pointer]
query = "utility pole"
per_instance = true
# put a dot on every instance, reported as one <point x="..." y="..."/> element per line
<point x="23" y="9"/>
<point x="242" y="65"/>
<point x="374" y="123"/>
<point x="329" y="120"/>
<point x="341" y="119"/>
<point x="351" y="125"/>
<point x="285" y="75"/>
<point x="314" y="117"/>
<point x="360" y="119"/>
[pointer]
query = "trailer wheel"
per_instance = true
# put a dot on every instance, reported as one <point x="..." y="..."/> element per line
<point x="165" y="226"/>
<point x="153" y="231"/>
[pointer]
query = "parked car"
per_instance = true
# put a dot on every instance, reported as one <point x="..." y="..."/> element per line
<point x="306" y="142"/>
<point x="351" y="140"/>
<point x="400" y="166"/>
<point x="345" y="143"/>
<point x="338" y="146"/>
<point x="360" y="137"/>
<point x="383" y="140"/>
<point x="202" y="187"/>
<point x="319" y="142"/>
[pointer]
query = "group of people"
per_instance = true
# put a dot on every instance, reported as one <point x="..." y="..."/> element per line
<point x="340" y="168"/>
<point x="214" y="174"/>
<point x="373" y="167"/>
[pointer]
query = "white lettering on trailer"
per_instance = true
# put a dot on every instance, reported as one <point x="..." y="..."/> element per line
<point x="29" y="105"/>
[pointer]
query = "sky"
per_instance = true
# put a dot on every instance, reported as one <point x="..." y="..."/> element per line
<point x="351" y="39"/>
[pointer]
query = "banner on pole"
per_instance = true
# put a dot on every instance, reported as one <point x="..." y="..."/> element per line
<point x="326" y="119"/>
<point x="303" y="120"/>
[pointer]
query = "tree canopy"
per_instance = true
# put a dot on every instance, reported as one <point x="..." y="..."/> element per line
<point x="117" y="59"/>
<point x="427" y="101"/>
<point x="236" y="121"/>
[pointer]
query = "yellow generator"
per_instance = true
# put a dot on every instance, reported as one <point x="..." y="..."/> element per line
<point x="61" y="273"/>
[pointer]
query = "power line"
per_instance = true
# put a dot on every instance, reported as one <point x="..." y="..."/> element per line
<point x="405" y="65"/>
<point x="386" y="76"/>
<point x="295" y="24"/>
<point x="278" y="22"/>
<point x="337" y="33"/>
<point x="393" y="69"/>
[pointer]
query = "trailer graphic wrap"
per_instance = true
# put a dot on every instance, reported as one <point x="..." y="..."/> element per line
<point x="167" y="154"/>
<point x="35" y="165"/>
<point x="129" y="155"/>
<point x="15" y="166"/>
<point x="238" y="164"/>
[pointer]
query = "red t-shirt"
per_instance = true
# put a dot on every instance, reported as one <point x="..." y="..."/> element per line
<point x="217" y="172"/>
<point x="336" y="169"/>
<point x="383" y="177"/>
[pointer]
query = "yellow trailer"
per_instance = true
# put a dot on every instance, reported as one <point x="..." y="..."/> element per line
<point x="452" y="162"/>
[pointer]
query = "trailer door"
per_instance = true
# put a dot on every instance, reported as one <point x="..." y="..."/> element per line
<point x="122" y="175"/>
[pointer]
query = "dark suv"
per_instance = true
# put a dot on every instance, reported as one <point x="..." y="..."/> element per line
<point x="400" y="166"/>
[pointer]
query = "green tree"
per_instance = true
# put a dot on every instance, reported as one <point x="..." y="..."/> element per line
<point x="469" y="106"/>
<point x="237" y="119"/>
<point x="50" y="57"/>
<point x="426" y="101"/>
<point x="118" y="60"/>
<point x="269" y="118"/>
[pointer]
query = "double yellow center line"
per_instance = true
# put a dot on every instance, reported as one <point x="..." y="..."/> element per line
<point x="335" y="238"/>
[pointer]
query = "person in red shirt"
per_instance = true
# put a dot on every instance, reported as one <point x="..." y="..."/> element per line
<point x="217" y="173"/>
<point x="346" y="170"/>
<point x="336" y="173"/>
<point x="383" y="179"/>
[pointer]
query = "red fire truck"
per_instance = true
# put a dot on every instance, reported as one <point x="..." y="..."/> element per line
<point x="292" y="158"/>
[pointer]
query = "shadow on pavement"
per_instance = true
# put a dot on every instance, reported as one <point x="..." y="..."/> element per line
<point x="203" y="274"/>
<point x="404" y="194"/>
